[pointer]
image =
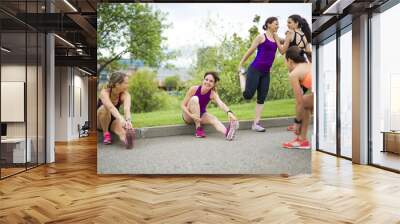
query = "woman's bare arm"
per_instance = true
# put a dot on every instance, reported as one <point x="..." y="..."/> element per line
<point x="251" y="50"/>
<point x="185" y="101"/>
<point x="127" y="105"/>
<point x="283" y="47"/>
<point x="105" y="99"/>
<point x="215" y="98"/>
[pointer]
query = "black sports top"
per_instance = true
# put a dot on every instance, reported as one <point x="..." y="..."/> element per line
<point x="294" y="43"/>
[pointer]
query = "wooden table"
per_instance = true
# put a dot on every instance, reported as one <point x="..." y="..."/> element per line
<point x="391" y="141"/>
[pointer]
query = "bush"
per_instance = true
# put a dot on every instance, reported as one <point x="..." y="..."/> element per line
<point x="144" y="92"/>
<point x="172" y="82"/>
<point x="224" y="57"/>
<point x="229" y="88"/>
<point x="279" y="87"/>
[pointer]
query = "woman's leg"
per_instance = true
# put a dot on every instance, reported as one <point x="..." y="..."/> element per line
<point x="186" y="118"/>
<point x="194" y="108"/>
<point x="308" y="108"/>
<point x="259" y="110"/>
<point x="262" y="92"/>
<point x="252" y="80"/>
<point x="292" y="127"/>
<point x="103" y="118"/>
<point x="117" y="128"/>
<point x="211" y="119"/>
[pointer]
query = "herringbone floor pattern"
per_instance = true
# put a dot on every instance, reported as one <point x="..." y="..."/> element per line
<point x="70" y="191"/>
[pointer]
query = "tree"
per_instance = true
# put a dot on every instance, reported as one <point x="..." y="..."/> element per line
<point x="225" y="57"/>
<point x="130" y="28"/>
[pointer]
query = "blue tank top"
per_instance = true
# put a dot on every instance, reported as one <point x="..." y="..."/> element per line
<point x="265" y="56"/>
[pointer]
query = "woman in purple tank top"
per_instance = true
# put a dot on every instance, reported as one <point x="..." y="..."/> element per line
<point x="258" y="76"/>
<point x="195" y="104"/>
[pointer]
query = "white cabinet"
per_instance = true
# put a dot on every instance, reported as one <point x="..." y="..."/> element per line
<point x="19" y="155"/>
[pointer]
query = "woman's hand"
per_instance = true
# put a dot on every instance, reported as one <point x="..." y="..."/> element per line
<point x="240" y="69"/>
<point x="128" y="125"/>
<point x="231" y="116"/>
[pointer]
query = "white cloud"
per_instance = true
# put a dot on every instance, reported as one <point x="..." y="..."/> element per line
<point x="189" y="22"/>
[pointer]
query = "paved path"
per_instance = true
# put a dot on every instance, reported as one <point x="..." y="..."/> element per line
<point x="249" y="153"/>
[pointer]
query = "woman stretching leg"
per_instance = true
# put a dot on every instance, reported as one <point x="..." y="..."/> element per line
<point x="108" y="116"/>
<point x="195" y="103"/>
<point x="258" y="76"/>
<point x="300" y="75"/>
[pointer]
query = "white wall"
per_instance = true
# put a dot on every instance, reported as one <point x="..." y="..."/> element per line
<point x="61" y="103"/>
<point x="69" y="85"/>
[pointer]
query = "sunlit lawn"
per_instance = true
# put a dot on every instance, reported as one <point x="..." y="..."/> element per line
<point x="245" y="111"/>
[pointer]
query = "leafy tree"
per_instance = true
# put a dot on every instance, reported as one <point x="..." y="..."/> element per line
<point x="130" y="28"/>
<point x="225" y="57"/>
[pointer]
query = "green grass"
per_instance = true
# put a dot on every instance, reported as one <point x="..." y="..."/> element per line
<point x="245" y="111"/>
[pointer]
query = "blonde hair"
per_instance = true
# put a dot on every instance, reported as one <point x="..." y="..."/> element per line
<point x="115" y="78"/>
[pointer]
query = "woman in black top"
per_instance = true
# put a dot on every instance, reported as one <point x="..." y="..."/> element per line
<point x="299" y="34"/>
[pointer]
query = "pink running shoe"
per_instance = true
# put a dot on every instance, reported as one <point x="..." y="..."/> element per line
<point x="200" y="132"/>
<point x="130" y="138"/>
<point x="107" y="138"/>
<point x="297" y="144"/>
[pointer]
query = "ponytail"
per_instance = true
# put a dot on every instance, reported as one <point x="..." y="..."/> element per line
<point x="303" y="25"/>
<point x="306" y="29"/>
<point x="116" y="78"/>
<point x="269" y="21"/>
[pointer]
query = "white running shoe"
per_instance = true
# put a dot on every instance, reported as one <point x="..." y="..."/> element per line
<point x="257" y="127"/>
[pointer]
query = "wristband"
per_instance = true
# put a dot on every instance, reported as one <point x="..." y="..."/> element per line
<point x="297" y="121"/>
<point x="229" y="111"/>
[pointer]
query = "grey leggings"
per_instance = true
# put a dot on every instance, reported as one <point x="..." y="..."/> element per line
<point x="259" y="81"/>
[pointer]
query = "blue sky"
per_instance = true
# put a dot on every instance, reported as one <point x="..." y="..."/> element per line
<point x="188" y="31"/>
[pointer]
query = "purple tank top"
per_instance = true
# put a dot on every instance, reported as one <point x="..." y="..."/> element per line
<point x="265" y="55"/>
<point x="203" y="100"/>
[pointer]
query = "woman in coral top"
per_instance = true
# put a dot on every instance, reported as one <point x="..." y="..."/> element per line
<point x="300" y="74"/>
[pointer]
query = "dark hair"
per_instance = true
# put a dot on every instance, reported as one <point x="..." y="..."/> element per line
<point x="296" y="54"/>
<point x="269" y="21"/>
<point x="303" y="25"/>
<point x="214" y="75"/>
<point x="115" y="78"/>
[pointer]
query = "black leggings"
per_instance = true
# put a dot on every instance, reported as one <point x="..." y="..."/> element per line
<point x="259" y="81"/>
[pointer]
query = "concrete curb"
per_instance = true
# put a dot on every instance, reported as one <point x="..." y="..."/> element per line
<point x="173" y="130"/>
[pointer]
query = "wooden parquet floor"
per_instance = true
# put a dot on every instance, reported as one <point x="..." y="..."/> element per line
<point x="70" y="191"/>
